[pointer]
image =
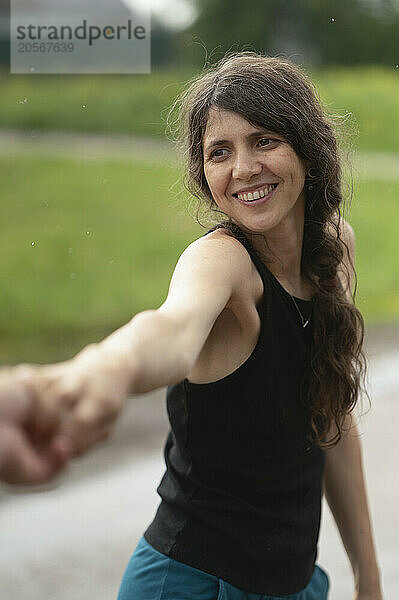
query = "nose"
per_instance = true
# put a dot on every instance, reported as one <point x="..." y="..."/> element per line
<point x="245" y="165"/>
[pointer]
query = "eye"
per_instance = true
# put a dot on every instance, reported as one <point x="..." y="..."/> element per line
<point x="218" y="153"/>
<point x="263" y="142"/>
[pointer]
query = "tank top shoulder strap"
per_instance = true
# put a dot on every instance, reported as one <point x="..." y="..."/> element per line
<point x="241" y="237"/>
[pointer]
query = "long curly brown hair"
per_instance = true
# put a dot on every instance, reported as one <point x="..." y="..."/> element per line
<point x="275" y="94"/>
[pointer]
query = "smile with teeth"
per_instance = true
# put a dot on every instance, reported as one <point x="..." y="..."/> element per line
<point x="259" y="193"/>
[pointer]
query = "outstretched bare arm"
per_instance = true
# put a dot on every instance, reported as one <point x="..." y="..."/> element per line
<point x="156" y="348"/>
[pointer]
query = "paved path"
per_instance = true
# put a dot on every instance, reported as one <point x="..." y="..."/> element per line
<point x="73" y="541"/>
<point x="100" y="146"/>
<point x="86" y="146"/>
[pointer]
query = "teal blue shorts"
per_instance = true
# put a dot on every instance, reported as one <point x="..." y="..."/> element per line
<point x="151" y="575"/>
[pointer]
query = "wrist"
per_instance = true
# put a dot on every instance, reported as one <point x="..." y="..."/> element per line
<point x="368" y="580"/>
<point x="97" y="360"/>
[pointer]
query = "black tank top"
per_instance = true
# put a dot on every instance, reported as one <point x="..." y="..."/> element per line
<point x="241" y="495"/>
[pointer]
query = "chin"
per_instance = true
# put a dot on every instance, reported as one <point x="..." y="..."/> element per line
<point x="257" y="226"/>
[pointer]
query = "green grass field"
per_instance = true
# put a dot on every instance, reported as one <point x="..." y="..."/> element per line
<point x="374" y="216"/>
<point x="138" y="104"/>
<point x="109" y="103"/>
<point x="85" y="246"/>
<point x="371" y="95"/>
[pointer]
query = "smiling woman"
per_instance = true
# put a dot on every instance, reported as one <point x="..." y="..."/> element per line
<point x="260" y="345"/>
<point x="241" y="162"/>
<point x="252" y="122"/>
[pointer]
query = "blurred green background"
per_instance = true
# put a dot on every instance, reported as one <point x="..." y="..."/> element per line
<point x="88" y="242"/>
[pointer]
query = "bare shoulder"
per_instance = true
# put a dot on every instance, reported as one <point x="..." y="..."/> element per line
<point x="348" y="236"/>
<point x="247" y="285"/>
<point x="222" y="237"/>
<point x="346" y="271"/>
<point x="211" y="269"/>
<point x="347" y="232"/>
<point x="349" y="242"/>
<point x="221" y="245"/>
<point x="248" y="289"/>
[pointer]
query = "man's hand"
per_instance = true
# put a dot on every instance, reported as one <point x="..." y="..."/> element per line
<point x="32" y="451"/>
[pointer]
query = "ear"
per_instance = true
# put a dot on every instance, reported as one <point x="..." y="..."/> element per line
<point x="307" y="164"/>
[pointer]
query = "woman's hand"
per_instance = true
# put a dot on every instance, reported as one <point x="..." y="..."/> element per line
<point x="87" y="394"/>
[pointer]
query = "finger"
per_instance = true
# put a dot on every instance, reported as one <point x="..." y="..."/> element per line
<point x="60" y="450"/>
<point x="44" y="414"/>
<point x="21" y="462"/>
<point x="87" y="425"/>
<point x="15" y="397"/>
<point x="84" y="445"/>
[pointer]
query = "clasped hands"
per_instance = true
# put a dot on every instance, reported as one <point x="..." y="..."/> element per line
<point x="51" y="413"/>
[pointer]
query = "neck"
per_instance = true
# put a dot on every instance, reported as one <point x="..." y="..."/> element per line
<point x="281" y="249"/>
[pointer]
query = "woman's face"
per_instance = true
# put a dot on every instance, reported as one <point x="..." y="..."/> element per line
<point x="255" y="177"/>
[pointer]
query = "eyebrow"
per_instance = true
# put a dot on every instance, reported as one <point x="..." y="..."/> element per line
<point x="255" y="134"/>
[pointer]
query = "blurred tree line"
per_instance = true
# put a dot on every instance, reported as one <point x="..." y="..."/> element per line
<point x="318" y="32"/>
